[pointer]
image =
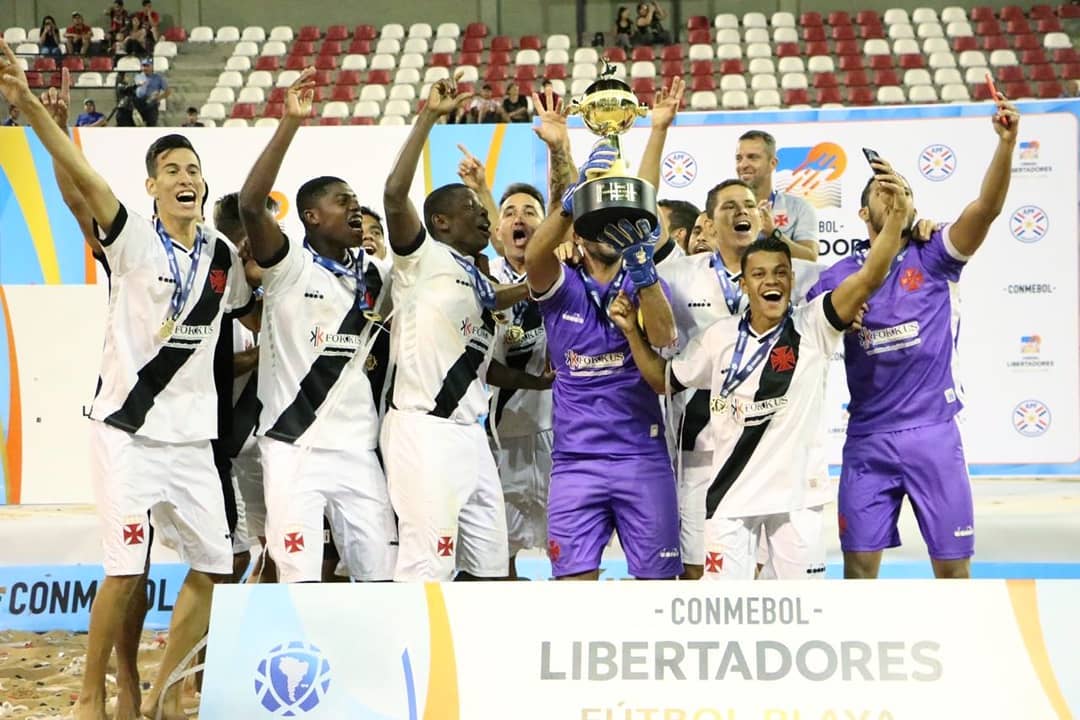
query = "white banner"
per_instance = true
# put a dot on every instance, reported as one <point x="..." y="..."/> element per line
<point x="909" y="650"/>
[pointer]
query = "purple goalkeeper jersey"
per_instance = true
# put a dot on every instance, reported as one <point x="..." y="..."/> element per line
<point x="900" y="365"/>
<point x="602" y="405"/>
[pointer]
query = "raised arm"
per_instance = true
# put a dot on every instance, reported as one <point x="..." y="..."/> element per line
<point x="99" y="198"/>
<point x="402" y="221"/>
<point x="552" y="130"/>
<point x="635" y="242"/>
<point x="473" y="175"/>
<point x="651" y="366"/>
<point x="857" y="288"/>
<point x="263" y="233"/>
<point x="663" y="115"/>
<point x="969" y="230"/>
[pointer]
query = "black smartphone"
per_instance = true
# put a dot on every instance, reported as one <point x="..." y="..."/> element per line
<point x="872" y="157"/>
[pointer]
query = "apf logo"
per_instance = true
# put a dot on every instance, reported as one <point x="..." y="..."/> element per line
<point x="679" y="169"/>
<point x="1031" y="418"/>
<point x="1029" y="224"/>
<point x="812" y="173"/>
<point x="293" y="678"/>
<point x="937" y="162"/>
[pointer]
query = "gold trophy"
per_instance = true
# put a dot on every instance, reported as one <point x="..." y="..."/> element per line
<point x="609" y="108"/>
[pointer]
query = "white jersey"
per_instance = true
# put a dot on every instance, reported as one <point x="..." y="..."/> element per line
<point x="766" y="431"/>
<point x="155" y="384"/>
<point x="441" y="337"/>
<point x="245" y="395"/>
<point x="520" y="413"/>
<point x="671" y="251"/>
<point x="312" y="390"/>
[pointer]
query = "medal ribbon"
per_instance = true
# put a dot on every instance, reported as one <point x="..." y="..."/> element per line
<point x="735" y="376"/>
<point x="182" y="286"/>
<point x="482" y="287"/>
<point x="602" y="304"/>
<point x="355" y="270"/>
<point x="511" y="277"/>
<point x="733" y="294"/>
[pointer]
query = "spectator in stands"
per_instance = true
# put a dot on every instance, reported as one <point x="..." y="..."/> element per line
<point x="1072" y="88"/>
<point x="118" y="21"/>
<point x="125" y="101"/>
<point x="78" y="35"/>
<point x="90" y="116"/>
<point x="515" y="106"/>
<point x="486" y="109"/>
<point x="140" y="37"/>
<point x="13" y="117"/>
<point x="150" y="18"/>
<point x="192" y="119"/>
<point x="624" y="28"/>
<point x="49" y="38"/>
<point x="650" y="31"/>
<point x="150" y="89"/>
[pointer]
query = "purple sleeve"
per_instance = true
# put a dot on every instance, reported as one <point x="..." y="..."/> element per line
<point x="940" y="258"/>
<point x="827" y="281"/>
<point x="559" y="295"/>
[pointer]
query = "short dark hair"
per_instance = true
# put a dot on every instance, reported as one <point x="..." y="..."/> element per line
<point x="864" y="197"/>
<point x="683" y="214"/>
<point x="440" y="202"/>
<point x="710" y="201"/>
<point x="192" y="111"/>
<point x="310" y="192"/>
<point x="769" y="140"/>
<point x="164" y="144"/>
<point x="525" y="188"/>
<point x="227" y="212"/>
<point x="765" y="244"/>
<point x="364" y="210"/>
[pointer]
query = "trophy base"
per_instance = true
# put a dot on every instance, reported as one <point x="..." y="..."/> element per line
<point x="605" y="200"/>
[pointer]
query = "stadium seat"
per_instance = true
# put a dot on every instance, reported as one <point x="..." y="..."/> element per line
<point x="911" y="61"/>
<point x="383" y="62"/>
<point x="258" y="79"/>
<point x="1043" y="73"/>
<point x="726" y="20"/>
<point x="448" y="30"/>
<point x="352" y="63"/>
<point x="212" y="111"/>
<point x="766" y="99"/>
<point x="88" y="80"/>
<point x="367" y="108"/>
<point x="697" y="22"/>
<point x="906" y="46"/>
<point x="1018" y="90"/>
<point x="407" y="76"/>
<point x="964" y="43"/>
<point x="246" y="49"/>
<point x="1056" y="41"/>
<point x="273" y="48"/>
<point x="498" y="58"/>
<point x="374" y="92"/>
<point x="378" y="77"/>
<point x="555" y="72"/>
<point x="929" y="30"/>
<point x="529" y="42"/>
<point x="763" y="82"/>
<point x="226" y="33"/>
<point x="877" y="32"/>
<point x="933" y="45"/>
<point x="762" y="66"/>
<point x="796" y="96"/>
<point x="393" y="31"/>
<point x="728" y="52"/>
<point x="402" y="92"/>
<point x="558" y="42"/>
<point x="285" y="78"/>
<point x="494" y="73"/>
<point x="790" y="65"/>
<point x="1017" y="27"/>
<point x="297" y="62"/>
<point x="344" y="93"/>
<point x="331" y="121"/>
<point x="643" y="54"/>
<point x="782" y="19"/>
<point x="813" y="34"/>
<point x="824" y="80"/>
<point x="242" y="111"/>
<point x="842" y="32"/>
<point x="923" y="94"/>
<point x="476" y="30"/>
<point x="784" y="49"/>
<point x="335" y="109"/>
<point x="326" y="62"/>
<point x="754" y="50"/>
<point x="615" y="54"/>
<point x="365" y="32"/>
<point x="670" y="68"/>
<point x="987" y="27"/>
<point x="1048" y="90"/>
<point x="975" y="75"/>
<point x="223" y="95"/>
<point x="838" y="18"/>
<point x="955" y="92"/>
<point x="810" y="19"/>
<point x="579" y="85"/>
<point x="723" y="36"/>
<point x="953" y="14"/>
<point x="876" y="47"/>
<point x="701" y="83"/>
<point x="1048" y="25"/>
<point x="972" y="58"/>
<point x="388" y="46"/>
<point x="1065" y="55"/>
<point x="127" y="63"/>
<point x="525" y="72"/>
<point x="959" y="29"/>
<point x="942" y="60"/>
<point x="793" y="81"/>
<point x="444" y="45"/>
<point x="856" y="78"/>
<point x="253" y="33"/>
<point x="1036" y="56"/>
<point x="252" y="95"/>
<point x="732" y="67"/>
<point x="309" y="32"/>
<point x="754" y="35"/>
<point x="994" y="42"/>
<point x="585" y="55"/>
<point x="397" y="107"/>
<point x="785" y="35"/>
<point x="231" y="79"/>
<point x="754" y="20"/>
<point x="732" y="82"/>
<point x="73" y="63"/>
<point x="392" y="120"/>
<point x="642" y="69"/>
<point x="948" y="76"/>
<point x="422" y="31"/>
<point x="527" y="57"/>
<point x="885" y="77"/>
<point x="917" y="77"/>
<point x="1041" y="12"/>
<point x="847" y="47"/>
<point x="556" y="57"/>
<point x="302" y="47"/>
<point x="642" y="85"/>
<point x="735" y="99"/>
<point x="860" y="96"/>
<point x="161" y="64"/>
<point x="411" y="60"/>
<point x="897" y="32"/>
<point x="331" y="47"/>
<point x="415" y="45"/>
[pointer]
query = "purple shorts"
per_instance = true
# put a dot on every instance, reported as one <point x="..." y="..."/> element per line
<point x="591" y="497"/>
<point x="926" y="464"/>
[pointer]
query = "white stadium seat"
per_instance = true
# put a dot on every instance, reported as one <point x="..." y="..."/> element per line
<point x="905" y="46"/>
<point x="894" y="16"/>
<point x="942" y="60"/>
<point x="1003" y="58"/>
<point x="876" y="46"/>
<point x="953" y="14"/>
<point x="955" y="92"/>
<point x="763" y="82"/>
<point x="558" y="42"/>
<point x="411" y="60"/>
<point x="246" y="49"/>
<point x="420" y="30"/>
<point x="201" y="34"/>
<point x="556" y="57"/>
<point x="703" y="100"/>
<point x="373" y="92"/>
<point x="754" y="19"/>
<point x="253" y="95"/>
<point x="917" y="76"/>
<point x="790" y="65"/>
<point x="585" y="55"/>
<point x="448" y="30"/>
<point x="972" y="58"/>
<point x="785" y="35"/>
<point x="890" y="95"/>
<point x="285" y="78"/>
<point x="395" y="31"/>
<point x="725" y="36"/>
<point x="238" y="63"/>
<point x="392" y="120"/>
<point x="929" y="30"/>
<point x="224" y="95"/>
<point x="766" y="99"/>
<point x="782" y="19"/>
<point x="415" y="45"/>
<point x="735" y="99"/>
<point x="922" y="94"/>
<point x="732" y="82"/>
<point x="469" y="73"/>
<point x="558" y="87"/>
<point x="642" y="69"/>
<point x="281" y="33"/>
<point x="253" y="33"/>
<point x="335" y="109"/>
<point x="757" y="50"/>
<point x="388" y="46"/>
<point x="403" y="92"/>
<point x="933" y="45"/>
<point x="235" y="123"/>
<point x="444" y="45"/>
<point x="924" y="15"/>
<point x="33" y="35"/>
<point x="729" y="52"/>
<point x="165" y="48"/>
<point x="960" y="28"/>
<point x="266" y="123"/>
<point x="583" y="71"/>
<point x="820" y="63"/>
<point x="383" y="62"/>
<point x="1056" y="41"/>
<point x="579" y="85"/>
<point x="726" y="20"/>
<point x="948" y="76"/>
<point x="701" y="52"/>
<point x="274" y="48"/>
<point x="397" y="107"/>
<point x="901" y="31"/>
<point x="975" y="74"/>
<point x="26" y="49"/>
<point x="207" y="122"/>
<point x="14" y="35"/>
<point x="354" y="62"/>
<point x="756" y="35"/>
<point x="129" y="63"/>
<point x="213" y="111"/>
<point x="88" y="80"/>
<point x="527" y="57"/>
<point x="407" y="76"/>
<point x="367" y="108"/>
<point x="762" y="66"/>
<point x="794" y="81"/>
<point x="227" y="33"/>
<point x="260" y="78"/>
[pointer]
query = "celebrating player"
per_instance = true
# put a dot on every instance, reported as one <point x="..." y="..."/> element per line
<point x="767" y="396"/>
<point x="902" y="437"/>
<point x="319" y="424"/>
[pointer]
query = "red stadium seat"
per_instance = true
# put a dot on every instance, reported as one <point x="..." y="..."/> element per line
<point x="302" y="47"/>
<point x="244" y="111"/>
<point x="362" y="121"/>
<point x="995" y="42"/>
<point x="498" y="57"/>
<point x="326" y="62"/>
<point x="330" y="47"/>
<point x="526" y="87"/>
<point x="981" y="12"/>
<point x="731" y="67"/>
<point x="670" y="68"/>
<point x="175" y="34"/>
<point x="308" y="32"/>
<point x="498" y="89"/>
<point x="525" y="72"/>
<point x="856" y="78"/>
<point x="701" y="68"/>
<point x="868" y="17"/>
<point x="1035" y="56"/>
<point x="817" y="48"/>
<point x="55" y="79"/>
<point x="1069" y="11"/>
<point x="702" y="82"/>
<point x="101" y="64"/>
<point x="1050" y="24"/>
<point x="798" y="96"/>
<point x="860" y="96"/>
<point x="1071" y="71"/>
<point x="672" y="52"/>
<point x="360" y="47"/>
<point x="1017" y="27"/>
<point x="1066" y="55"/>
<point x="1043" y="72"/>
<point x="810" y="19"/>
<point x="698" y="22"/>
<point x="643" y="54"/>
<point x="495" y="72"/>
<point x="337" y="32"/>
<point x="851" y="62"/>
<point x="472" y="45"/>
<point x="815" y="33"/>
<point x="1009" y="73"/>
<point x="269" y="64"/>
<point x="348" y="77"/>
<point x="445" y="60"/>
<point x="960" y="44"/>
<point x="839" y="18"/>
<point x="1026" y="42"/>
<point x="829" y="95"/>
<point x="44" y="64"/>
<point x="365" y="32"/>
<point x="555" y="72"/>
<point x="476" y="30"/>
<point x="1040" y="12"/>
<point x="343" y="92"/>
<point x="73" y="63"/>
<point x="274" y="109"/>
<point x="648" y="97"/>
<point x="886" y="77"/>
<point x="911" y="61"/>
<point x="297" y="62"/>
<point x="871" y="32"/>
<point x="615" y="54"/>
<point x="825" y="80"/>
<point x="846" y="47"/>
<point x="329" y="121"/>
<point x="1011" y="12"/>
<point x="469" y="58"/>
<point x="463" y="87"/>
<point x="277" y="95"/>
<point x="529" y="42"/>
<point x="842" y="32"/>
<point x="881" y="62"/>
<point x="378" y="77"/>
<point x="319" y="91"/>
<point x="642" y="85"/>
<point x="699" y="37"/>
<point x="1049" y="89"/>
<point x="34" y="80"/>
<point x="502" y="43"/>
<point x="987" y="27"/>
<point x="1018" y="90"/>
<point x="787" y="50"/>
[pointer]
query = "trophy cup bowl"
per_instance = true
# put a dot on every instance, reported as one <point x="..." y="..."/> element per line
<point x="609" y="108"/>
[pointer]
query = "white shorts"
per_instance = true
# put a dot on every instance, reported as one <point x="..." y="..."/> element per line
<point x="303" y="484"/>
<point x="247" y="472"/>
<point x="692" y="487"/>
<point x="446" y="492"/>
<point x="177" y="483"/>
<point x="525" y="470"/>
<point x="796" y="546"/>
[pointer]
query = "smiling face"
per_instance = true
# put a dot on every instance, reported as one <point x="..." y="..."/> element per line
<point x="178" y="186"/>
<point x="767" y="281"/>
<point x="373" y="240"/>
<point x="462" y="222"/>
<point x="334" y="217"/>
<point x="702" y="238"/>
<point x="754" y="164"/>
<point x="519" y="217"/>
<point x="736" y="221"/>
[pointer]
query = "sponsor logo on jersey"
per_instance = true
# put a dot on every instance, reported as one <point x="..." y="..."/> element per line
<point x="678" y="169"/>
<point x="889" y="339"/>
<point x="756" y="412"/>
<point x="554" y="550"/>
<point x="911" y="279"/>
<point x="812" y="173"/>
<point x="574" y="318"/>
<point x="217" y="281"/>
<point x="594" y="364"/>
<point x="1031" y="418"/>
<point x="937" y="162"/>
<point x="333" y="343"/>
<point x="1029" y="224"/>
<point x="966" y="531"/>
<point x="782" y="358"/>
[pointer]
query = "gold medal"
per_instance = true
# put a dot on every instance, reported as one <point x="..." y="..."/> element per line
<point x="371" y="363"/>
<point x="372" y="316"/>
<point x="167" y="328"/>
<point x="514" y="334"/>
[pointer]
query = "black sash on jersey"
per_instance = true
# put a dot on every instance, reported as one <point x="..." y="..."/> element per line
<point x="461" y="374"/>
<point x="773" y="385"/>
<point x="156" y="374"/>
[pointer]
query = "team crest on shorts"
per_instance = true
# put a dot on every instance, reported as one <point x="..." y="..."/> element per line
<point x="134" y="531"/>
<point x="678" y="169"/>
<point x="294" y="541"/>
<point x="554" y="550"/>
<point x="714" y="562"/>
<point x="937" y="162"/>
<point x="445" y="546"/>
<point x="1031" y="418"/>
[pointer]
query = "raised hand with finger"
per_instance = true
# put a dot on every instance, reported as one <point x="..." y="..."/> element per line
<point x="444" y="97"/>
<point x="13" y="84"/>
<point x="623" y="313"/>
<point x="300" y="96"/>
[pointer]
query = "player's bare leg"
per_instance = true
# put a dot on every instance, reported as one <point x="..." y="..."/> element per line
<point x="862" y="565"/>
<point x="190" y="619"/>
<point x="692" y="572"/>
<point x="952" y="569"/>
<point x="590" y="575"/>
<point x="240" y="564"/>
<point x="129" y="690"/>
<point x="106" y="619"/>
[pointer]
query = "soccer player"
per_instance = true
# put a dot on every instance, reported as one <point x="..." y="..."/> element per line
<point x="611" y="468"/>
<point x="373" y="241"/>
<point x="765" y="369"/>
<point x="902" y="437"/>
<point x="701" y="236"/>
<point x="791" y="217"/>
<point x="319" y="424"/>
<point x="678" y="217"/>
<point x="171" y="281"/>
<point x="443" y="481"/>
